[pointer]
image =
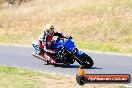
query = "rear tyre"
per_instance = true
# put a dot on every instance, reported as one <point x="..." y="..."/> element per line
<point x="87" y="61"/>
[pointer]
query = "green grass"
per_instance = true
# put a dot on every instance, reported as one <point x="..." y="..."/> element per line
<point x="12" y="77"/>
<point x="98" y="46"/>
<point x="122" y="86"/>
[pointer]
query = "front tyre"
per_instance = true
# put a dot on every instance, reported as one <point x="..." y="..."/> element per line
<point x="87" y="61"/>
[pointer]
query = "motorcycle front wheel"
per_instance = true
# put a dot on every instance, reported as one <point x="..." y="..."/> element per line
<point x="87" y="61"/>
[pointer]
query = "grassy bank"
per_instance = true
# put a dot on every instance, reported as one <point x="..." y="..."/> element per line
<point x="12" y="77"/>
<point x="103" y="25"/>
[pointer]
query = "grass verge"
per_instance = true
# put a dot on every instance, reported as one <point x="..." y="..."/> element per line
<point x="12" y="77"/>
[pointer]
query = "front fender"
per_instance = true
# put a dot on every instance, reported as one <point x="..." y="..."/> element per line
<point x="79" y="53"/>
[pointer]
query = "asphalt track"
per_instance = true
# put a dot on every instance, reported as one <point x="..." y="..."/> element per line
<point x="104" y="63"/>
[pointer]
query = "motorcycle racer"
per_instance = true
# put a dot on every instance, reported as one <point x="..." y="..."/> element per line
<point x="46" y="41"/>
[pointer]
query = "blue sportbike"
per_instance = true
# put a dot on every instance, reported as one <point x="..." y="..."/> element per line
<point x="66" y="52"/>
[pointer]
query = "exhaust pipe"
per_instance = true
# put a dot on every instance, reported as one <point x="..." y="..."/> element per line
<point x="39" y="57"/>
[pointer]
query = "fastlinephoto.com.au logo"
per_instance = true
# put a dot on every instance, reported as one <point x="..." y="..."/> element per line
<point x="83" y="78"/>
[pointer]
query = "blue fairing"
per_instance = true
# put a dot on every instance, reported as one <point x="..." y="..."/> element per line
<point x="69" y="45"/>
<point x="58" y="44"/>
